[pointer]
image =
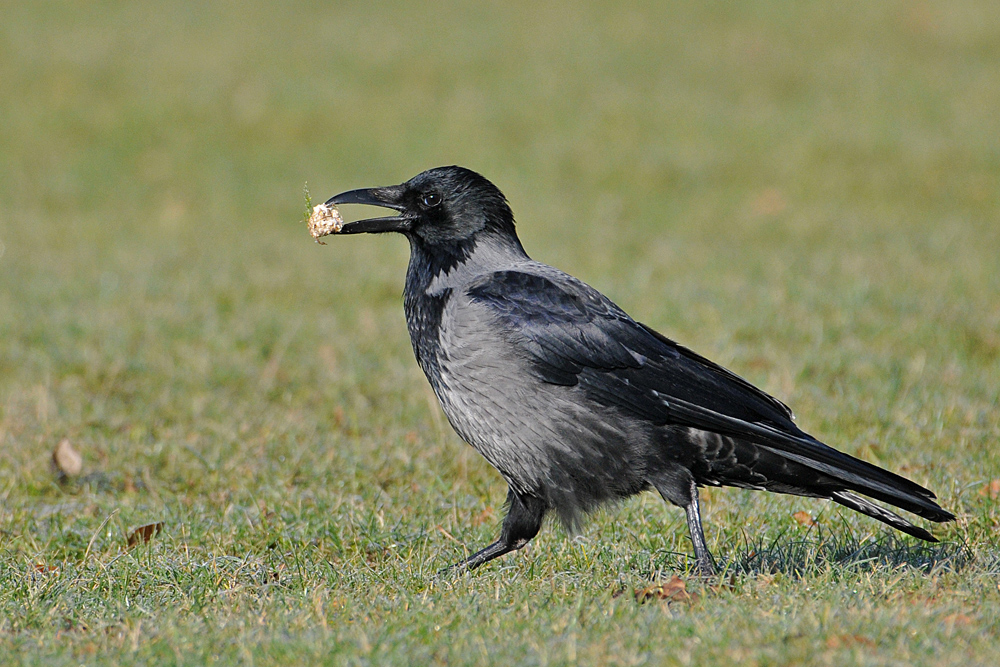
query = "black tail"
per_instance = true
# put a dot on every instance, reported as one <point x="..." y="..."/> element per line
<point x="859" y="504"/>
<point x="845" y="471"/>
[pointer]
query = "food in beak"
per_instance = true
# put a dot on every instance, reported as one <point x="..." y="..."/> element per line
<point x="324" y="220"/>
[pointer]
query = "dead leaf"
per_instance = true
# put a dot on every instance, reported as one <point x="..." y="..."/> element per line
<point x="957" y="619"/>
<point x="992" y="490"/>
<point x="674" y="590"/>
<point x="836" y="641"/>
<point x="144" y="534"/>
<point x="804" y="519"/>
<point x="66" y="460"/>
<point x="768" y="202"/>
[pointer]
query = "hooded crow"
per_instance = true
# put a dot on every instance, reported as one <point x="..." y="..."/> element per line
<point x="573" y="401"/>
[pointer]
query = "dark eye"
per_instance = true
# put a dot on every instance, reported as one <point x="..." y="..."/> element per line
<point x="430" y="199"/>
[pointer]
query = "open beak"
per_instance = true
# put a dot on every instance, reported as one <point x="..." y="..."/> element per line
<point x="389" y="197"/>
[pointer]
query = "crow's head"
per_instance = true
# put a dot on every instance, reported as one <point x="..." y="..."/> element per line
<point x="439" y="206"/>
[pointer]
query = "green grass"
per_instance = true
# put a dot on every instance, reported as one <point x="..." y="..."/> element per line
<point x="807" y="193"/>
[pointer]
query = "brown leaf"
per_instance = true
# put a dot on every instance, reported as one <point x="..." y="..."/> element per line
<point x="957" y="619"/>
<point x="992" y="490"/>
<point x="674" y="590"/>
<point x="804" y="519"/>
<point x="768" y="202"/>
<point x="144" y="534"/>
<point x="648" y="593"/>
<point x="66" y="460"/>
<point x="836" y="641"/>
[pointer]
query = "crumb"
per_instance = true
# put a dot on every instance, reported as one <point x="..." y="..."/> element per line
<point x="323" y="221"/>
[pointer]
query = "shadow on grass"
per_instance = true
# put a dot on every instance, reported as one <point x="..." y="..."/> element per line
<point x="808" y="556"/>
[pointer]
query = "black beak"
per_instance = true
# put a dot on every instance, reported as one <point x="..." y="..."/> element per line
<point x="390" y="197"/>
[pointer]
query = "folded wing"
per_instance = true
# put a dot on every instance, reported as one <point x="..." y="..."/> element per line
<point x="574" y="336"/>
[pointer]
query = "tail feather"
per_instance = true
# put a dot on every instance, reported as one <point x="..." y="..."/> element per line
<point x="804" y="449"/>
<point x="843" y="473"/>
<point x="863" y="505"/>
<point x="910" y="497"/>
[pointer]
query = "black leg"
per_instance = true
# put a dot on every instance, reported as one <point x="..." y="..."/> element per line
<point x="701" y="554"/>
<point x="521" y="524"/>
<point x="678" y="487"/>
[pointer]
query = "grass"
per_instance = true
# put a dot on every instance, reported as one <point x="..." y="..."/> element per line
<point x="805" y="193"/>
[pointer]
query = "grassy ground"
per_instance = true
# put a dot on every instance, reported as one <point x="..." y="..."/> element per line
<point x="805" y="192"/>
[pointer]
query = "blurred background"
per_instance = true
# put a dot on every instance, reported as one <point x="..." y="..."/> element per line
<point x="804" y="192"/>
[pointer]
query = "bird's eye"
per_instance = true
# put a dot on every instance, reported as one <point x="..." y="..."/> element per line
<point x="430" y="199"/>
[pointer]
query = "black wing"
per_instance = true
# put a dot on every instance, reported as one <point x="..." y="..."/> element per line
<point x="574" y="335"/>
<point x="568" y="328"/>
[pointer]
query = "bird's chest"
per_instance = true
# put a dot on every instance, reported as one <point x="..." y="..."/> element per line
<point x="454" y="353"/>
<point x="423" y="319"/>
<point x="479" y="386"/>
